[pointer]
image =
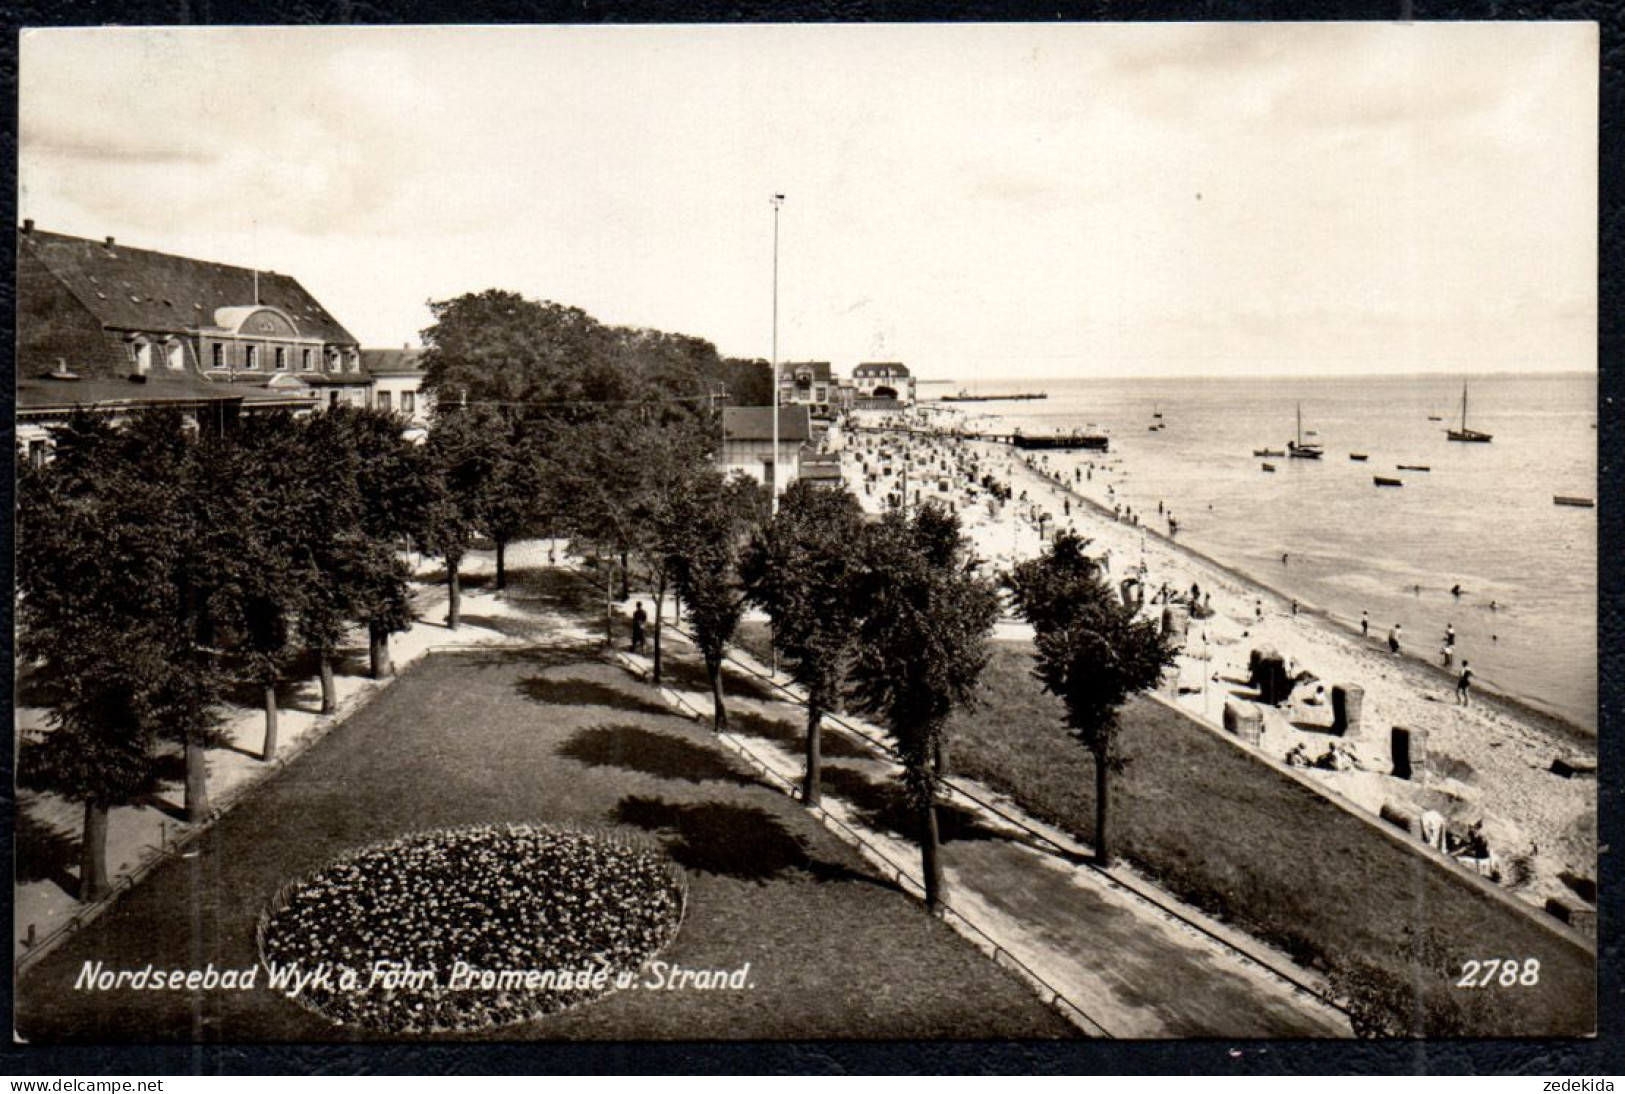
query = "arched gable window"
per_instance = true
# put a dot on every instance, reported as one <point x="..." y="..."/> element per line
<point x="143" y="357"/>
<point x="177" y="355"/>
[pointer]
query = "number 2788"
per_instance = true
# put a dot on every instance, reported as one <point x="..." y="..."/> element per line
<point x="1501" y="972"/>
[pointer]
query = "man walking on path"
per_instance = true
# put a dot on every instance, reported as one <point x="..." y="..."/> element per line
<point x="639" y="618"/>
<point x="1463" y="683"/>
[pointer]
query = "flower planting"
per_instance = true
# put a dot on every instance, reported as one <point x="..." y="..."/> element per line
<point x="469" y="928"/>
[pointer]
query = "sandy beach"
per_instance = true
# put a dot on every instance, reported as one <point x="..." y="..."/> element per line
<point x="1489" y="761"/>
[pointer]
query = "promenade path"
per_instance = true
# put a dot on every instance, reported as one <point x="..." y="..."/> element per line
<point x="1129" y="957"/>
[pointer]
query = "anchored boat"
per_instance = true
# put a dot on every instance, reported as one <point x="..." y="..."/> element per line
<point x="1359" y="456"/>
<point x="1578" y="503"/>
<point x="1301" y="449"/>
<point x="1381" y="480"/>
<point x="1465" y="434"/>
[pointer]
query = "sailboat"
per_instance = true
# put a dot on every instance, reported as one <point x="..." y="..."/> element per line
<point x="1465" y="434"/>
<point x="1300" y="449"/>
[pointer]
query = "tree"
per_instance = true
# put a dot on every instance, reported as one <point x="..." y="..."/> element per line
<point x="714" y="516"/>
<point x="104" y="617"/>
<point x="462" y="448"/>
<point x="1093" y="653"/>
<point x="261" y="496"/>
<point x="803" y="569"/>
<point x="921" y="647"/>
<point x="393" y="479"/>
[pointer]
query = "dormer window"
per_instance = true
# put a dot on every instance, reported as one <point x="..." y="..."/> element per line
<point x="143" y="358"/>
<point x="251" y="357"/>
<point x="355" y="361"/>
<point x="177" y="355"/>
<point x="306" y="361"/>
<point x="217" y="357"/>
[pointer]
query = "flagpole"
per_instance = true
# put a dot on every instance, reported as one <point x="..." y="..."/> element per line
<point x="773" y="479"/>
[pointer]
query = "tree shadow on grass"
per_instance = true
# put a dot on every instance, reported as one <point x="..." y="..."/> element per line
<point x="737" y="841"/>
<point x="556" y="590"/>
<point x="46" y="854"/>
<point x="585" y="693"/>
<point x="688" y="675"/>
<point x="507" y="625"/>
<point x="662" y="755"/>
<point x="792" y="736"/>
<point x="883" y="805"/>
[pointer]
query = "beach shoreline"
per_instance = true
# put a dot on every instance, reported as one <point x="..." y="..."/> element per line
<point x="1495" y="760"/>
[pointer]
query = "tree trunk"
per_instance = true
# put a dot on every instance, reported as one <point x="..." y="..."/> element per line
<point x="454" y="595"/>
<point x="815" y="759"/>
<point x="660" y="601"/>
<point x="93" y="854"/>
<point x="197" y="780"/>
<point x="378" y="652"/>
<point x="502" y="564"/>
<point x="270" y="723"/>
<point x="330" y="698"/>
<point x="719" y="713"/>
<point x="626" y="577"/>
<point x="940" y="756"/>
<point x="609" y="605"/>
<point x="1103" y="856"/>
<point x="931" y="857"/>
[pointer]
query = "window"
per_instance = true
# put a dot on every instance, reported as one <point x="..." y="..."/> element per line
<point x="355" y="361"/>
<point x="408" y="402"/>
<point x="37" y="451"/>
<point x="281" y="359"/>
<point x="332" y="398"/>
<point x="143" y="358"/>
<point x="332" y="361"/>
<point x="306" y="363"/>
<point x="383" y="400"/>
<point x="251" y="357"/>
<point x="177" y="355"/>
<point x="218" y="355"/>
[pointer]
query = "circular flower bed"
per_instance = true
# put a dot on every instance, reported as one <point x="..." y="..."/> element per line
<point x="470" y="928"/>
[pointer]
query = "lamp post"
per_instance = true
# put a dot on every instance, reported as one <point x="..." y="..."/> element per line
<point x="773" y="474"/>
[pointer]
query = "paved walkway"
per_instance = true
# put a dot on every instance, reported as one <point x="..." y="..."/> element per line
<point x="1131" y="967"/>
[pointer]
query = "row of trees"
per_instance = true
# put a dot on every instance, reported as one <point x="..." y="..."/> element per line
<point x="891" y="619"/>
<point x="157" y="567"/>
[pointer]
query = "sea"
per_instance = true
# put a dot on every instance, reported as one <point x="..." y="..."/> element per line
<point x="1481" y="518"/>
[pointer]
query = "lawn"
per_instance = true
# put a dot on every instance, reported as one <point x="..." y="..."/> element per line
<point x="547" y="736"/>
<point x="1224" y="831"/>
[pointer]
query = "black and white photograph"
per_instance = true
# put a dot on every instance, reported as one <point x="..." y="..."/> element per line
<point x="963" y="532"/>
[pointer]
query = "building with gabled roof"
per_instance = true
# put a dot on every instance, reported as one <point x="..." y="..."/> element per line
<point x="114" y="328"/>
<point x="883" y="380"/>
<point x="747" y="442"/>
<point x="397" y="379"/>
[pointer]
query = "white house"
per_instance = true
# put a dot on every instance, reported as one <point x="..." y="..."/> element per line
<point x="884" y="380"/>
<point x="747" y="442"/>
<point x="397" y="375"/>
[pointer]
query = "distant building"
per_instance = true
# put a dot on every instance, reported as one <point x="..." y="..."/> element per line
<point x="823" y="468"/>
<point x="397" y="376"/>
<point x="807" y="383"/>
<point x="881" y="380"/>
<point x="747" y="442"/>
<point x="113" y="329"/>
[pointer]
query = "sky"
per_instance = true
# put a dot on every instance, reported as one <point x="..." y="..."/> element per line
<point x="978" y="201"/>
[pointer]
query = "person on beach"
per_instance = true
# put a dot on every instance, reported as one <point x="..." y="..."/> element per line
<point x="1283" y="558"/>
<point x="1463" y="683"/>
<point x="1450" y="634"/>
<point x="1455" y="590"/>
<point x="1294" y="606"/>
<point x="1258" y="609"/>
<point x="1365" y="624"/>
<point x="639" y="618"/>
<point x="1393" y="639"/>
<point x="1448" y="653"/>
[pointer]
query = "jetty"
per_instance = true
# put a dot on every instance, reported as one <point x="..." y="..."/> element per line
<point x="1010" y="397"/>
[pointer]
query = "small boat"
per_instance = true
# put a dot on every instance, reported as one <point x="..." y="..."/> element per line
<point x="1412" y="467"/>
<point x="1435" y="418"/>
<point x="1361" y="456"/>
<point x="1151" y="428"/>
<point x="1299" y="449"/>
<point x="1267" y="452"/>
<point x="1269" y="467"/>
<point x="1381" y="480"/>
<point x="1578" y="503"/>
<point x="1465" y="434"/>
<point x="1155" y="413"/>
